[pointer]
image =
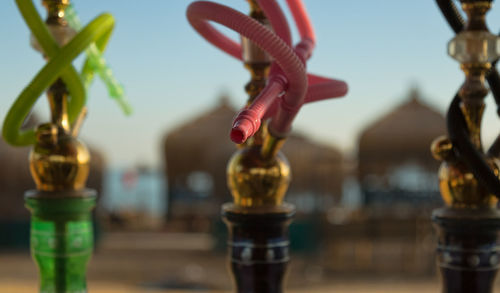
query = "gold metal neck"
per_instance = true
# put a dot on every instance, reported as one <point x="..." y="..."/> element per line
<point x="472" y="94"/>
<point x="255" y="10"/>
<point x="58" y="102"/>
<point x="258" y="63"/>
<point x="476" y="15"/>
<point x="56" y="11"/>
<point x="475" y="44"/>
<point x="474" y="48"/>
<point x="257" y="174"/>
<point x="58" y="160"/>
<point x="259" y="73"/>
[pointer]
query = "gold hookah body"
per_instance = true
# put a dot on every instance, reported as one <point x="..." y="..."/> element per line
<point x="475" y="48"/>
<point x="257" y="181"/>
<point x="59" y="160"/>
<point x="258" y="174"/>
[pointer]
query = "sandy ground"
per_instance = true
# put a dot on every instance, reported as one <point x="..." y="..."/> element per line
<point x="160" y="265"/>
<point x="127" y="274"/>
<point x="16" y="287"/>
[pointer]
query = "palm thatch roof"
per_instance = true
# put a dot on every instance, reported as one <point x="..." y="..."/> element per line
<point x="404" y="134"/>
<point x="202" y="144"/>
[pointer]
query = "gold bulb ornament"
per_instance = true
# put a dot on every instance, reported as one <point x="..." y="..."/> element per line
<point x="59" y="160"/>
<point x="255" y="181"/>
<point x="459" y="188"/>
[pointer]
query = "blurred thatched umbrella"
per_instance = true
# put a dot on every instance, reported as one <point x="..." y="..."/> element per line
<point x="316" y="169"/>
<point x="200" y="145"/>
<point x="203" y="145"/>
<point x="405" y="134"/>
<point x="395" y="165"/>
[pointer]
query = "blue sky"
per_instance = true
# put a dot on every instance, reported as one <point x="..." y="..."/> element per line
<point x="381" y="48"/>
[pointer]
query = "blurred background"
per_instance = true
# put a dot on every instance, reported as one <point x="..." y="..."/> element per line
<point x="364" y="182"/>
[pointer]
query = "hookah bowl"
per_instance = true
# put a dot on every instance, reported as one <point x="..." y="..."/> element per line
<point x="258" y="175"/>
<point x="61" y="207"/>
<point x="468" y="226"/>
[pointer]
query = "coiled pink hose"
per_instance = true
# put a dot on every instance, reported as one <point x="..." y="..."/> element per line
<point x="277" y="19"/>
<point x="288" y="74"/>
<point x="320" y="88"/>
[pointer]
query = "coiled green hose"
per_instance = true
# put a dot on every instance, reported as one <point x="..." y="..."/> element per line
<point x="59" y="65"/>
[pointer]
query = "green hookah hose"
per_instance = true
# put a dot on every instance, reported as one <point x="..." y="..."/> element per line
<point x="95" y="62"/>
<point x="97" y="32"/>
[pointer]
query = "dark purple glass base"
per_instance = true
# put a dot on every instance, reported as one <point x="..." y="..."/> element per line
<point x="468" y="252"/>
<point x="258" y="248"/>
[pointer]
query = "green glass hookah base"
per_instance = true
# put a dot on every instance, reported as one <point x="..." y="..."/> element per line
<point x="61" y="241"/>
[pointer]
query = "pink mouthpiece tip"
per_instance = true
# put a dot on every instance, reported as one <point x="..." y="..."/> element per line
<point x="242" y="129"/>
<point x="237" y="136"/>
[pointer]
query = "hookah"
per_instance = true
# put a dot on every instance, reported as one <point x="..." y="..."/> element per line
<point x="61" y="223"/>
<point x="258" y="174"/>
<point x="468" y="244"/>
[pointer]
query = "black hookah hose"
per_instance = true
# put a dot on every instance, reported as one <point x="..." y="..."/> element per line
<point x="452" y="15"/>
<point x="456" y="124"/>
<point x="459" y="135"/>
<point x="457" y="23"/>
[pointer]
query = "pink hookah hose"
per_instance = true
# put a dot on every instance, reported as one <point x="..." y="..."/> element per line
<point x="289" y="85"/>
